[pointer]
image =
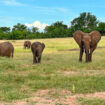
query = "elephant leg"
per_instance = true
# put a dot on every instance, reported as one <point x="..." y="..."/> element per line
<point x="90" y="57"/>
<point x="8" y="55"/>
<point x="28" y="47"/>
<point x="12" y="53"/>
<point x="81" y="54"/>
<point x="91" y="51"/>
<point x="34" y="58"/>
<point x="39" y="59"/>
<point x="87" y="56"/>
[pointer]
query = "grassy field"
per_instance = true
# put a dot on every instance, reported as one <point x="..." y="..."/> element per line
<point x="94" y="101"/>
<point x="59" y="70"/>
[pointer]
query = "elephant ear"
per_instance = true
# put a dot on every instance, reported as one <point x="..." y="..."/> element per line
<point x="43" y="45"/>
<point x="78" y="35"/>
<point x="95" y="37"/>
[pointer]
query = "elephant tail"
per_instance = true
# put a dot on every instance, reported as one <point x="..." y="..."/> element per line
<point x="12" y="52"/>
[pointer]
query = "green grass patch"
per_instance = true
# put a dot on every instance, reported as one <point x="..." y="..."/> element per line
<point x="93" y="101"/>
<point x="59" y="69"/>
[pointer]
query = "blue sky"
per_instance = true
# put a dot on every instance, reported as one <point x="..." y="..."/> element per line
<point x="44" y="12"/>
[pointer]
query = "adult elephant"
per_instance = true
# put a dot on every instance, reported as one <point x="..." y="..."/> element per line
<point x="37" y="49"/>
<point x="87" y="42"/>
<point x="27" y="44"/>
<point x="6" y="49"/>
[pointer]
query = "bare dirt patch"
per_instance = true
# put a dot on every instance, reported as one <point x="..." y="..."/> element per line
<point x="81" y="73"/>
<point x="68" y="72"/>
<point x="43" y="97"/>
<point x="76" y="49"/>
<point x="97" y="95"/>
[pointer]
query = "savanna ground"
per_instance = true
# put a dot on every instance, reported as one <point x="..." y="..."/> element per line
<point x="59" y="80"/>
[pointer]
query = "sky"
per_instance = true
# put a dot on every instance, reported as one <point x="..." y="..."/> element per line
<point x="40" y="13"/>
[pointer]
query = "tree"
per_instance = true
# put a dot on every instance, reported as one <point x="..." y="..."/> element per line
<point x="101" y="27"/>
<point x="59" y="24"/>
<point x="57" y="29"/>
<point x="2" y="35"/>
<point x="19" y="27"/>
<point x="19" y="31"/>
<point x="85" y="22"/>
<point x="5" y="29"/>
<point x="70" y="31"/>
<point x="34" y="29"/>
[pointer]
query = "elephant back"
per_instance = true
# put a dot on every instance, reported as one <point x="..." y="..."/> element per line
<point x="6" y="48"/>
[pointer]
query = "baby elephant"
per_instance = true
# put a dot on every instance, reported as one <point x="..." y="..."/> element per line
<point x="27" y="44"/>
<point x="37" y="49"/>
<point x="6" y="49"/>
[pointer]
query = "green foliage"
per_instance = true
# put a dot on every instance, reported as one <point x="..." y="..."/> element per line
<point x="2" y="35"/>
<point x="93" y="101"/>
<point x="73" y="88"/>
<point x="19" y="27"/>
<point x="5" y="29"/>
<point x="101" y="28"/>
<point x="86" y="22"/>
<point x="34" y="29"/>
<point x="57" y="29"/>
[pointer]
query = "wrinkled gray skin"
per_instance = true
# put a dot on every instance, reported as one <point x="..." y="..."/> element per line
<point x="27" y="44"/>
<point x="6" y="49"/>
<point x="87" y="42"/>
<point x="37" y="49"/>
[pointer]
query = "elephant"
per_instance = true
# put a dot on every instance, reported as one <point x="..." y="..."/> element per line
<point x="37" y="49"/>
<point x="27" y="44"/>
<point x="87" y="42"/>
<point x="6" y="49"/>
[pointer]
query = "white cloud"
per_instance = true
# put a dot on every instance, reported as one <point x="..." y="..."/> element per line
<point x="47" y="10"/>
<point x="62" y="9"/>
<point x="11" y="2"/>
<point x="40" y="26"/>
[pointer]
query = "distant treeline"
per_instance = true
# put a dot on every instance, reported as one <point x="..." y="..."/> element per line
<point x="86" y="22"/>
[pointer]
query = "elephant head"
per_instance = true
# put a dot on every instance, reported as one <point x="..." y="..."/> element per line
<point x="87" y="42"/>
<point x="27" y="44"/>
<point x="37" y="49"/>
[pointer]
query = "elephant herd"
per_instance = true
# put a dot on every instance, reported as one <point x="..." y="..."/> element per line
<point x="37" y="49"/>
<point x="7" y="49"/>
<point x="86" y="41"/>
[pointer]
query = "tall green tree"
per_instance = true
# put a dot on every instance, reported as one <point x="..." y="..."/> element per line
<point x="2" y="35"/>
<point x="85" y="22"/>
<point x="59" y="24"/>
<point x="5" y="29"/>
<point x="34" y="29"/>
<point x="57" y="29"/>
<point x="101" y="28"/>
<point x="19" y="31"/>
<point x="19" y="27"/>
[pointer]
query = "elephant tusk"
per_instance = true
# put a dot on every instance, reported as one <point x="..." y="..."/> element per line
<point x="89" y="51"/>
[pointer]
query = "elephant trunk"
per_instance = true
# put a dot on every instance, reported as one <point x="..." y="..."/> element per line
<point x="87" y="51"/>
